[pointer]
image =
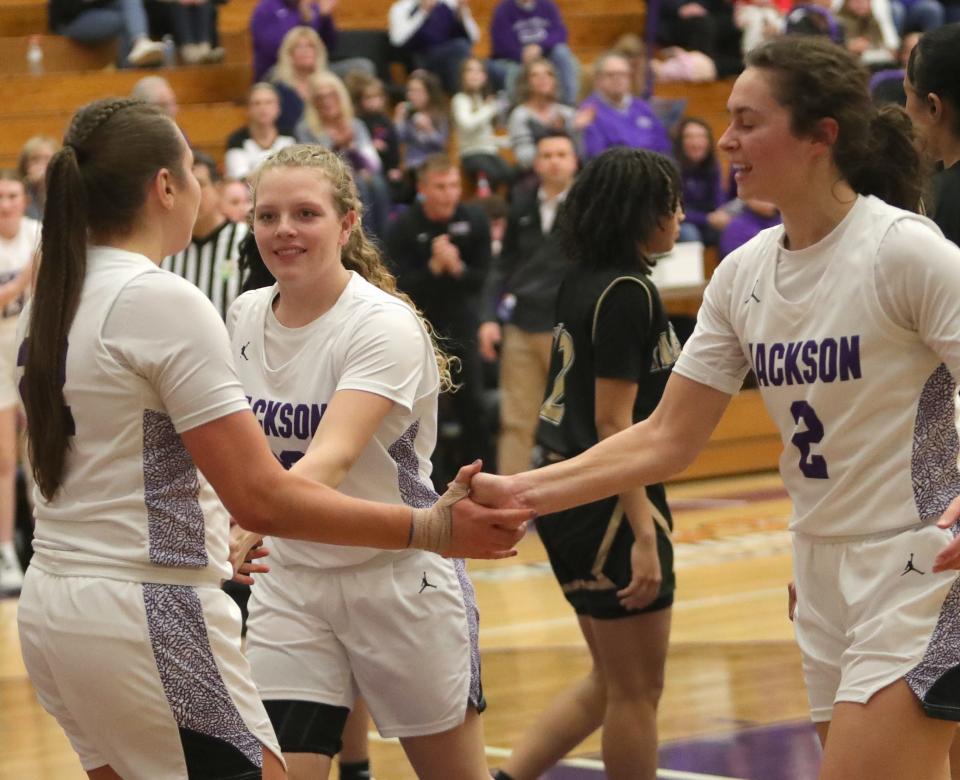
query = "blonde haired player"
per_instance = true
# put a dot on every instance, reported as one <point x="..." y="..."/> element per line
<point x="343" y="375"/>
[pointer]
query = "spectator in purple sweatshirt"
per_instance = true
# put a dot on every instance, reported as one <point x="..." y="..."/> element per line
<point x="621" y="119"/>
<point x="439" y="34"/>
<point x="526" y="30"/>
<point x="273" y="19"/>
<point x="754" y="216"/>
<point x="703" y="193"/>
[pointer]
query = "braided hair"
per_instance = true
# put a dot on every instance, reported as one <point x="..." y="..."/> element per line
<point x="96" y="187"/>
<point x="615" y="206"/>
<point x="359" y="254"/>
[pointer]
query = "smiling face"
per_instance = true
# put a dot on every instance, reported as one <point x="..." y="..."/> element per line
<point x="474" y="75"/>
<point x="417" y="94"/>
<point x="303" y="55"/>
<point x="613" y="78"/>
<point x="263" y="107"/>
<point x="13" y="203"/>
<point x="298" y="229"/>
<point x="768" y="159"/>
<point x="326" y="100"/>
<point x="696" y="142"/>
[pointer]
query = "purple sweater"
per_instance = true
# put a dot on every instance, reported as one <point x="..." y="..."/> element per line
<point x="742" y="228"/>
<point x="702" y="193"/>
<point x="514" y="27"/>
<point x="637" y="127"/>
<point x="273" y="19"/>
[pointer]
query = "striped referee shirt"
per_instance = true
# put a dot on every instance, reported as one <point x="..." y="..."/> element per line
<point x="212" y="264"/>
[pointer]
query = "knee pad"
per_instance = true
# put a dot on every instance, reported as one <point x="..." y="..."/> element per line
<point x="307" y="727"/>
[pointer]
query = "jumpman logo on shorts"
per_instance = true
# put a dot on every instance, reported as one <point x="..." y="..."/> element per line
<point x="424" y="584"/>
<point x="753" y="292"/>
<point x="243" y="351"/>
<point x="910" y="567"/>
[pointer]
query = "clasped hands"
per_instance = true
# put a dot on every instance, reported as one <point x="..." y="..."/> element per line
<point x="487" y="523"/>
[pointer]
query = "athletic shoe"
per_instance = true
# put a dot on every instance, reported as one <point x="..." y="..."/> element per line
<point x="11" y="575"/>
<point x="145" y="53"/>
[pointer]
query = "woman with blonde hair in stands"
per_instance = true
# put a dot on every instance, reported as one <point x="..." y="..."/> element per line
<point x="540" y="111"/>
<point x="330" y="624"/>
<point x="302" y="55"/>
<point x="330" y="121"/>
<point x="32" y="167"/>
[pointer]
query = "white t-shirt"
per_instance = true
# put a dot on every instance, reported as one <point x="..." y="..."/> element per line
<point x="369" y="340"/>
<point x="856" y="345"/>
<point x="147" y="359"/>
<point x="15" y="253"/>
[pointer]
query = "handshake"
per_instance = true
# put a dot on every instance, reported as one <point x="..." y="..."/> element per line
<point x="479" y="516"/>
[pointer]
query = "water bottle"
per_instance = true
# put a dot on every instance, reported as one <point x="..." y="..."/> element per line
<point x="483" y="185"/>
<point x="34" y="56"/>
<point x="169" y="52"/>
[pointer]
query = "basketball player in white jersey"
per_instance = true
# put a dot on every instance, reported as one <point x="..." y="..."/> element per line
<point x="135" y="416"/>
<point x="19" y="240"/>
<point x="849" y="315"/>
<point x="343" y="375"/>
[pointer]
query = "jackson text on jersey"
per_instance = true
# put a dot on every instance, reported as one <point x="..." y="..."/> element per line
<point x="805" y="362"/>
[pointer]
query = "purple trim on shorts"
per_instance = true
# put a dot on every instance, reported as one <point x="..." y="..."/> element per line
<point x="413" y="491"/>
<point x="191" y="680"/>
<point x="171" y="489"/>
<point x="943" y="650"/>
<point x="933" y="462"/>
<point x="473" y="632"/>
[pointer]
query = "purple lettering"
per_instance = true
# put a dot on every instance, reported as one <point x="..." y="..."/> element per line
<point x="828" y="360"/>
<point x="776" y="356"/>
<point x="849" y="358"/>
<point x="759" y="361"/>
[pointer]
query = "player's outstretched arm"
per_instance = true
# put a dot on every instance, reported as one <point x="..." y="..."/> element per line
<point x="645" y="453"/>
<point x="233" y="455"/>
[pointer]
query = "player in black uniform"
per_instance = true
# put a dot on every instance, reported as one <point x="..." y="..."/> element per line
<point x="612" y="353"/>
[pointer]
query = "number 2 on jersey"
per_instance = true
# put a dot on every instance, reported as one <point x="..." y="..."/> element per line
<point x="812" y="466"/>
<point x="552" y="409"/>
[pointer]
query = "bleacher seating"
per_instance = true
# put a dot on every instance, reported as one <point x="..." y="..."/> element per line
<point x="211" y="98"/>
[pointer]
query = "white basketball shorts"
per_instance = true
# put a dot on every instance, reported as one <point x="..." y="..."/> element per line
<point x="400" y="630"/>
<point x="149" y="679"/>
<point x="870" y="611"/>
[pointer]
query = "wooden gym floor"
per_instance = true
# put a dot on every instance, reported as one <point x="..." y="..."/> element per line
<point x="733" y="706"/>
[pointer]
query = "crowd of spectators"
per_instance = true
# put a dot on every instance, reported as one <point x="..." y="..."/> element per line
<point x="461" y="166"/>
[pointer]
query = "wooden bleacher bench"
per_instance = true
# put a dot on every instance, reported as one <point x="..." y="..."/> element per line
<point x="211" y="107"/>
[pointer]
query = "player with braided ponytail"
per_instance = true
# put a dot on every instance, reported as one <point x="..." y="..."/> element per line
<point x="137" y="425"/>
<point x="343" y="373"/>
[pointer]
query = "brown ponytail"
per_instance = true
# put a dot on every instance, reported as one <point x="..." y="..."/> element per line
<point x="96" y="186"/>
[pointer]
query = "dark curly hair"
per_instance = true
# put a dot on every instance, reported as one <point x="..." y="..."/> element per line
<point x="615" y="205"/>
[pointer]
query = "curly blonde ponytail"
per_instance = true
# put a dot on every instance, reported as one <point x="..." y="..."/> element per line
<point x="359" y="254"/>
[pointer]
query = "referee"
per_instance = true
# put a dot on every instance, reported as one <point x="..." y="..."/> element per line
<point x="211" y="259"/>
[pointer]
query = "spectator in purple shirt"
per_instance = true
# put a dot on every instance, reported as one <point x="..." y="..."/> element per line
<point x="754" y="216"/>
<point x="621" y="119"/>
<point x="526" y="30"/>
<point x="439" y="34"/>
<point x="694" y="149"/>
<point x="273" y="19"/>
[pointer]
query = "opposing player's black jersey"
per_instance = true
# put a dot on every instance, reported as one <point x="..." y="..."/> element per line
<point x="610" y="324"/>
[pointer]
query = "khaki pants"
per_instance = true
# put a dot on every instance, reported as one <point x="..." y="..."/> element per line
<point x="524" y="366"/>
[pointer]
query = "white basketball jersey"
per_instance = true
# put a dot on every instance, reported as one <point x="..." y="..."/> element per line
<point x="864" y="407"/>
<point x="15" y="253"/>
<point x="371" y="341"/>
<point x="147" y="358"/>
